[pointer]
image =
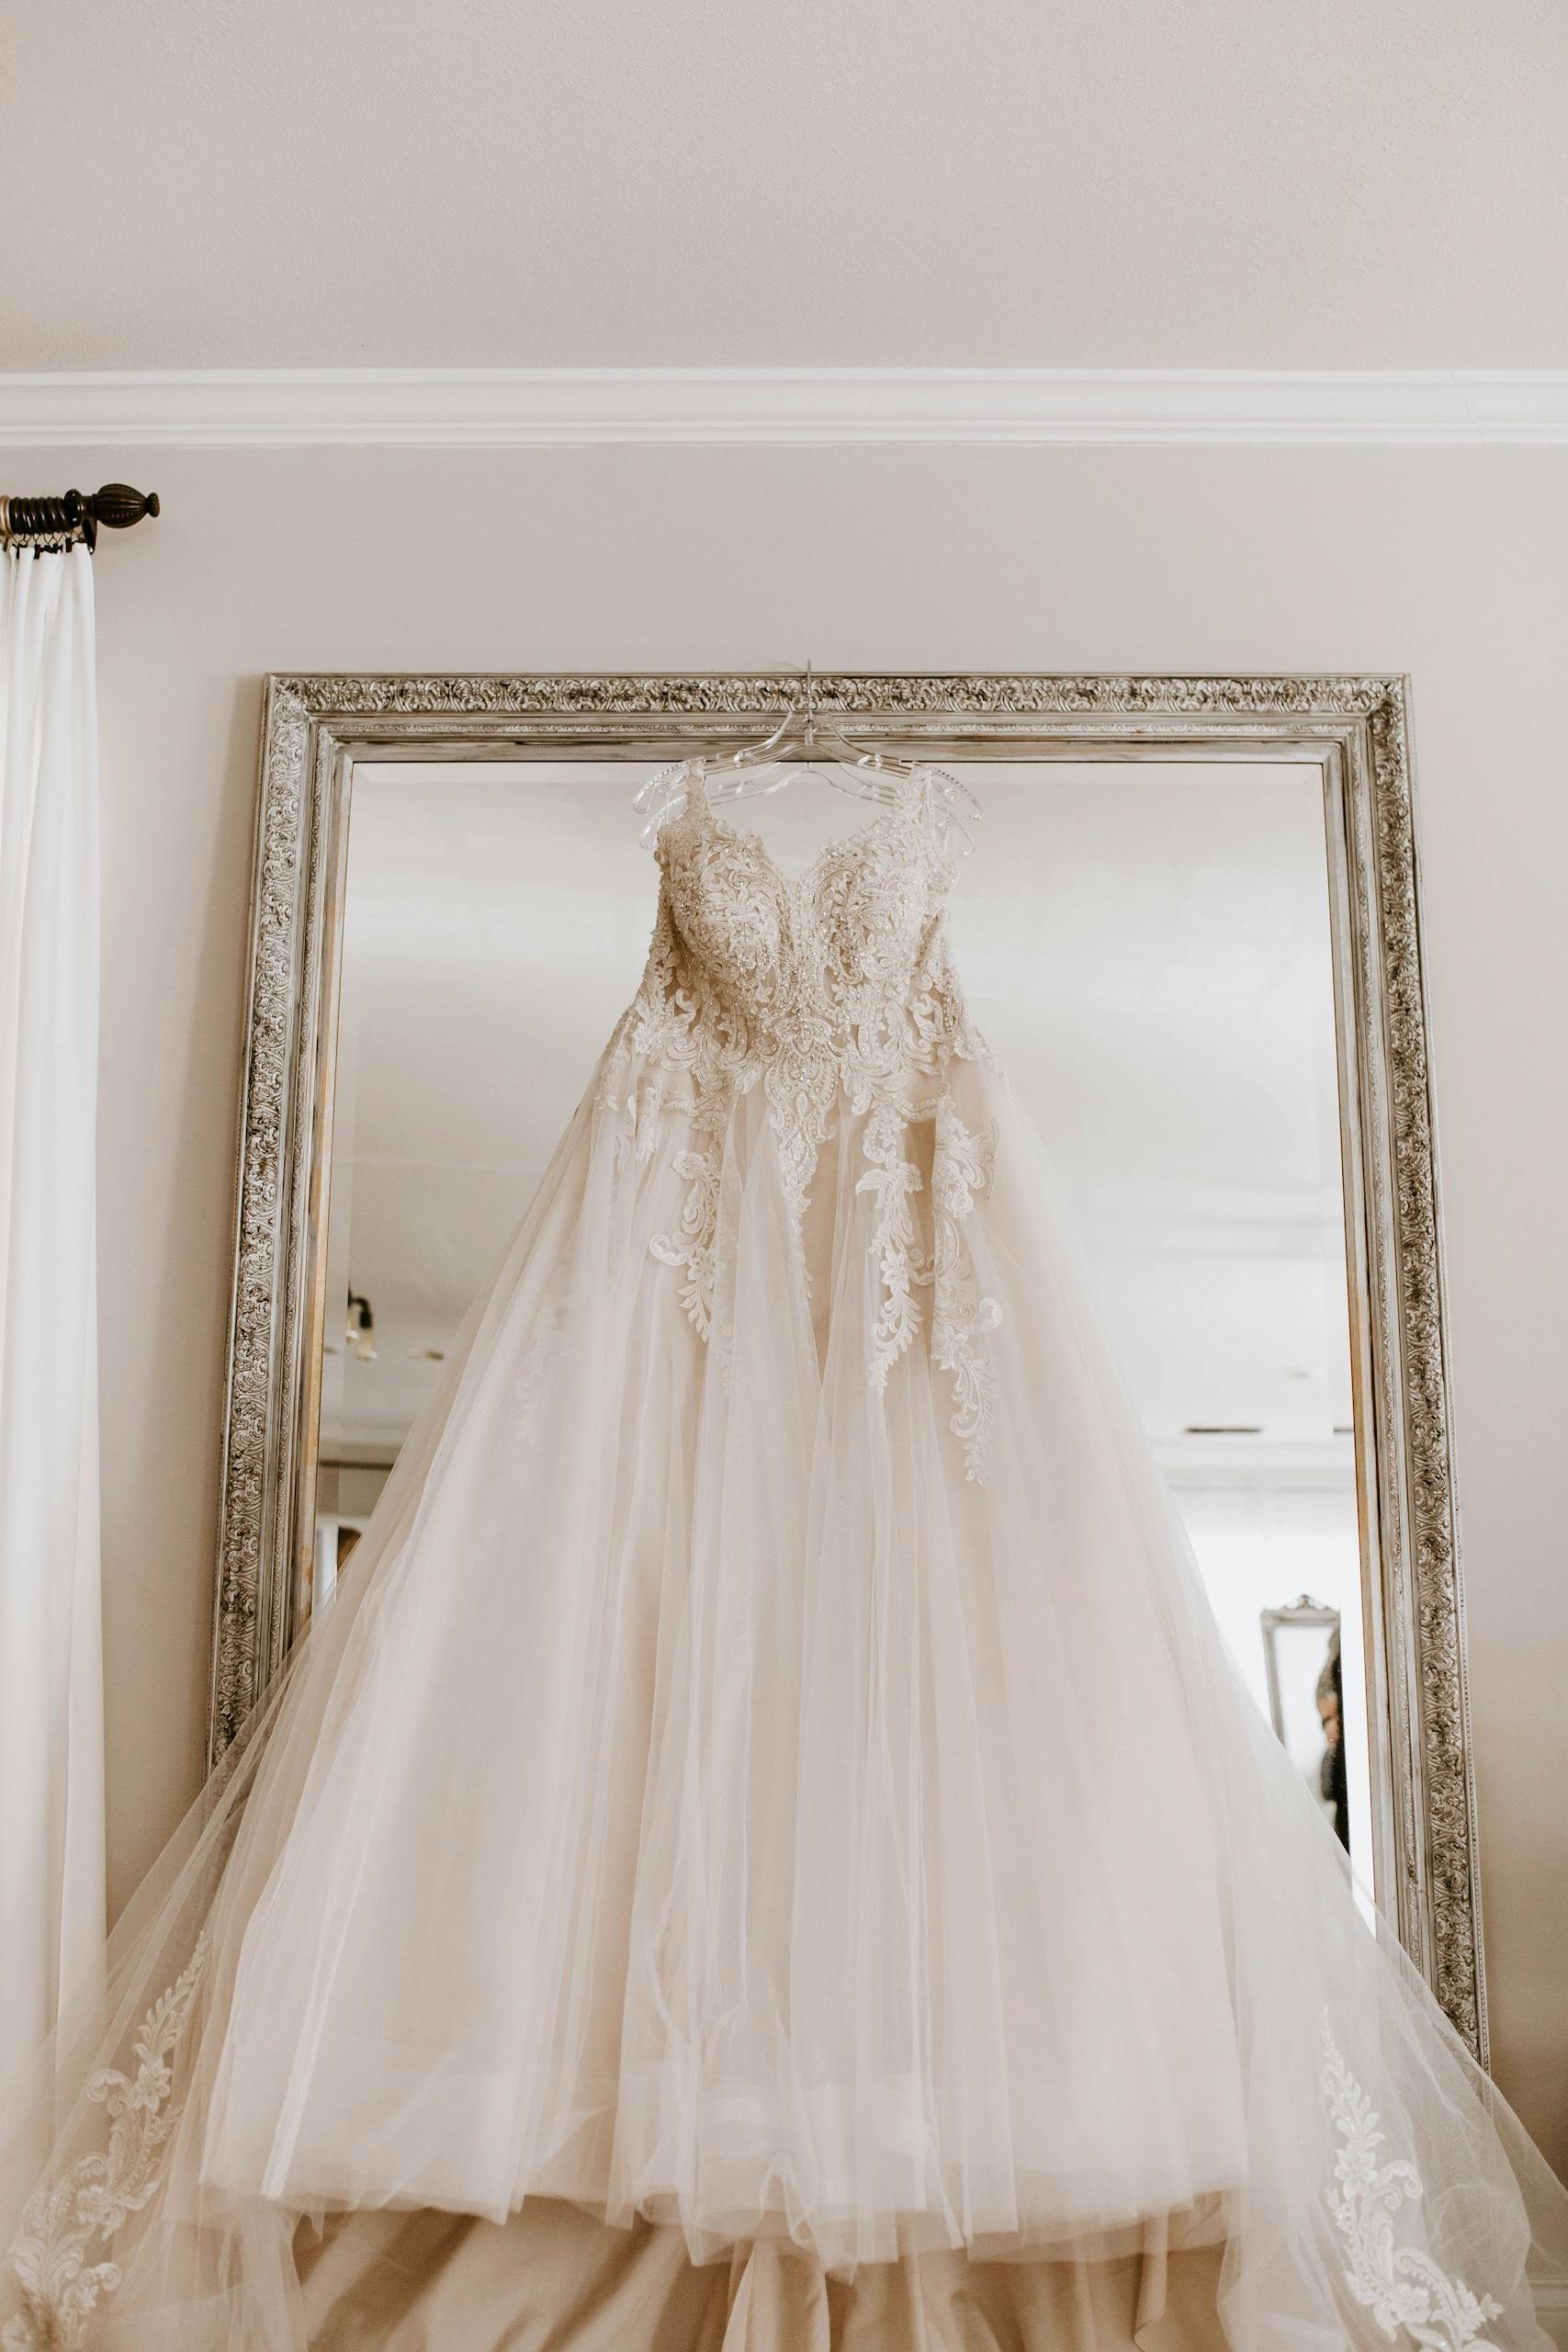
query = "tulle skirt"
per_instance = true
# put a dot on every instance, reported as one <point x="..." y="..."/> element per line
<point x="786" y="1835"/>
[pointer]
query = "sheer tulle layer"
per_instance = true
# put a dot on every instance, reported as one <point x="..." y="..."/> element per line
<point x="806" y="1836"/>
<point x="709" y="1806"/>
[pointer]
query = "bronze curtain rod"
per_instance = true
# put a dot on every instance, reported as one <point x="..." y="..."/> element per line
<point x="76" y="517"/>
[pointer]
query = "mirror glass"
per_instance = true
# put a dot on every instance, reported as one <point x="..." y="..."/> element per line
<point x="1146" y="946"/>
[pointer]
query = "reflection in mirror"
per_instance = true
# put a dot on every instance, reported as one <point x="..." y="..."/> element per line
<point x="1305" y="1691"/>
<point x="1147" y="948"/>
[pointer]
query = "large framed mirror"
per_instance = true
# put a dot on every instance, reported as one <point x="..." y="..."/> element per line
<point x="1191" y="932"/>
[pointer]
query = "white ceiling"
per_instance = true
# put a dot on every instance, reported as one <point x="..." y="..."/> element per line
<point x="1113" y="183"/>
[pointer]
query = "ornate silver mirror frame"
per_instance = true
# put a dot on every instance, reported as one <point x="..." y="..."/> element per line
<point x="1354" y="729"/>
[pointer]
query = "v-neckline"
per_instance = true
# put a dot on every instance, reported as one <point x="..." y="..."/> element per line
<point x="793" y="884"/>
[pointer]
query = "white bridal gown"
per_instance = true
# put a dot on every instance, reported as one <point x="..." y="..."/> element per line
<point x="767" y="1851"/>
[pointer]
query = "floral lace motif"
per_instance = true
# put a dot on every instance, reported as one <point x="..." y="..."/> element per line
<point x="94" y="2195"/>
<point x="1400" y="2285"/>
<point x="695" y="1246"/>
<point x="831" y="990"/>
<point x="961" y="1168"/>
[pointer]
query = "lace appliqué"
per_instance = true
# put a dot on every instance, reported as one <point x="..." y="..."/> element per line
<point x="695" y="1246"/>
<point x="1400" y="2285"/>
<point x="902" y="1265"/>
<point x="94" y="2195"/>
<point x="834" y="989"/>
<point x="962" y="1167"/>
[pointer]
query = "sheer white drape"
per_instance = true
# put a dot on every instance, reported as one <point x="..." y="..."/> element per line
<point x="52" y="1763"/>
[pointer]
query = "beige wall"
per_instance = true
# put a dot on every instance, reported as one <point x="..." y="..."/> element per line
<point x="1447" y="564"/>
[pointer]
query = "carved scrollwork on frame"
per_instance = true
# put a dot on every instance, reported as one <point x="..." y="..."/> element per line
<point x="1353" y="725"/>
<point x="242" y="1654"/>
<point x="1433" y="1612"/>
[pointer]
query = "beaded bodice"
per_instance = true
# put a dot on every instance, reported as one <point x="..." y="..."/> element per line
<point x="830" y="991"/>
<point x="848" y="959"/>
<point x="838" y="979"/>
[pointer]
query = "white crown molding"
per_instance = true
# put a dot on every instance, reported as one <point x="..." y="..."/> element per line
<point x="532" y="407"/>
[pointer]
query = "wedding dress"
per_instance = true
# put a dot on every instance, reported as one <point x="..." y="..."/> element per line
<point x="767" y="1849"/>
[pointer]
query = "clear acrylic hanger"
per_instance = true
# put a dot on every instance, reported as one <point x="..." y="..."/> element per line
<point x="797" y="744"/>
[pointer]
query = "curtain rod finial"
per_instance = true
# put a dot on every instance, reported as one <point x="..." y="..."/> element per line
<point x="116" y="506"/>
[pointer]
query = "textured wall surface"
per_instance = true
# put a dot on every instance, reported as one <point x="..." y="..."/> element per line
<point x="1132" y="183"/>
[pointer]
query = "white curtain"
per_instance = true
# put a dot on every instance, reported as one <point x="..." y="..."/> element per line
<point x="52" y="1761"/>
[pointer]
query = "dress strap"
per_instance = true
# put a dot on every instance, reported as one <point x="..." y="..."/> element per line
<point x="669" y="794"/>
<point x="947" y="809"/>
<point x="696" y="784"/>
